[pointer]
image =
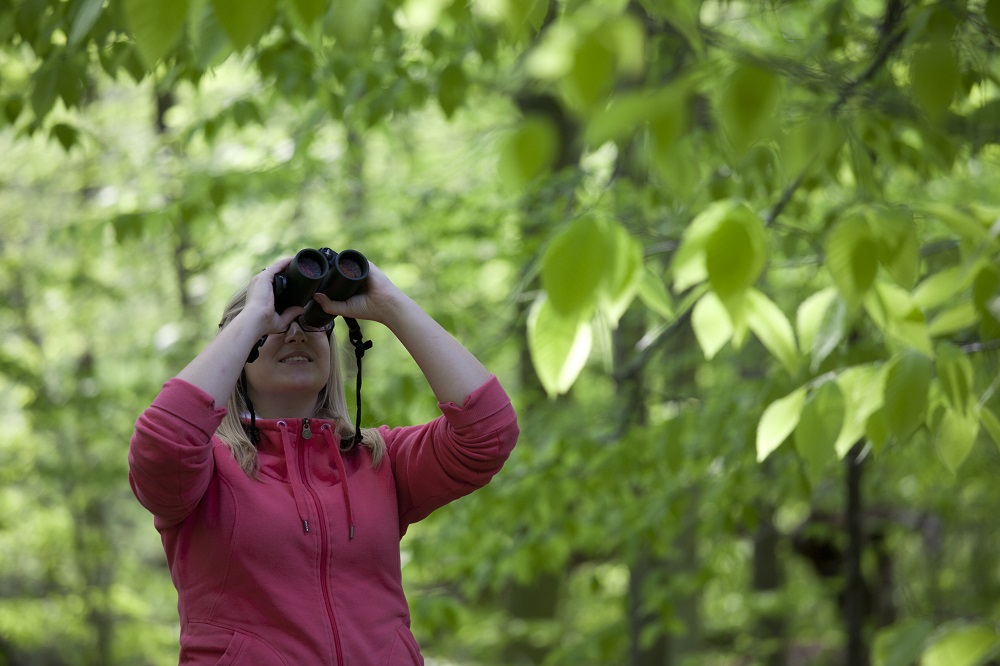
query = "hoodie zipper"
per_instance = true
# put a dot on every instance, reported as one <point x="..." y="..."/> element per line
<point x="324" y="554"/>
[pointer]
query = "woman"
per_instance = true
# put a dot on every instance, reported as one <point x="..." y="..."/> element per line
<point x="281" y="533"/>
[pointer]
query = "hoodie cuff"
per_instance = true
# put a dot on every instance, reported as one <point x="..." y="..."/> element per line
<point x="489" y="401"/>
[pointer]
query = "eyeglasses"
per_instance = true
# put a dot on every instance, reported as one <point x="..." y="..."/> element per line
<point x="307" y="327"/>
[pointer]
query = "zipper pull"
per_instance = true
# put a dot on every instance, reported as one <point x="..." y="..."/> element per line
<point x="306" y="430"/>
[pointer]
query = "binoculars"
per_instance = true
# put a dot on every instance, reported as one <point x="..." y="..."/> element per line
<point x="338" y="275"/>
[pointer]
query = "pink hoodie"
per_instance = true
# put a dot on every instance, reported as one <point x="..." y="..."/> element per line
<point x="300" y="566"/>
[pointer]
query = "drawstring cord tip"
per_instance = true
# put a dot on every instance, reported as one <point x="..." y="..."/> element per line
<point x="350" y="533"/>
<point x="305" y="526"/>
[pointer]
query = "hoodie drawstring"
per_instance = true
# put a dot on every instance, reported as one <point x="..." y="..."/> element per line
<point x="342" y="471"/>
<point x="292" y="462"/>
<point x="297" y="483"/>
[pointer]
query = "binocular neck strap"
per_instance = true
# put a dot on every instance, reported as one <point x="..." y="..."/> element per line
<point x="360" y="346"/>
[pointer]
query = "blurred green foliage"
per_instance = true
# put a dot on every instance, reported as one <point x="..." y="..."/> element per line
<point x="716" y="250"/>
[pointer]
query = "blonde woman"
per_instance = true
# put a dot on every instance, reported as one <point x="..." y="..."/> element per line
<point x="280" y="526"/>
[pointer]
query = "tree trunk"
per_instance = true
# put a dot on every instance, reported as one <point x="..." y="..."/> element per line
<point x="855" y="592"/>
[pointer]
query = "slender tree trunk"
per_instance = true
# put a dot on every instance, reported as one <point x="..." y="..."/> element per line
<point x="768" y="577"/>
<point x="855" y="591"/>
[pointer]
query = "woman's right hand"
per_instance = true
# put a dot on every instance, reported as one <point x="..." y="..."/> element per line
<point x="259" y="306"/>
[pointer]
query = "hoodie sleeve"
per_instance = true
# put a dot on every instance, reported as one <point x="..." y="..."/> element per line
<point x="452" y="455"/>
<point x="170" y="456"/>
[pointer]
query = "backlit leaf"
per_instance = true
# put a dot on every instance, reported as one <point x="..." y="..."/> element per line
<point x="688" y="264"/>
<point x="736" y="252"/>
<point x="961" y="646"/>
<point x="622" y="272"/>
<point x="772" y="328"/>
<point x="559" y="346"/>
<point x="654" y="295"/>
<point x="573" y="266"/>
<point x="778" y="422"/>
<point x="712" y="325"/>
<point x="862" y="388"/>
<point x="819" y="425"/>
<point x="821" y="324"/>
<point x="956" y="433"/>
<point x="900" y="644"/>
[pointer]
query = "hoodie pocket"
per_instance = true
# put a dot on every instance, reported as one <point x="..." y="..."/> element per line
<point x="206" y="643"/>
<point x="405" y="651"/>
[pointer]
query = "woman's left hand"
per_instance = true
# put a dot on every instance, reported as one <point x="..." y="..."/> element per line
<point x="376" y="301"/>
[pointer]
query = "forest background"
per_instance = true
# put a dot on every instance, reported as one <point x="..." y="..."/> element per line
<point x="736" y="262"/>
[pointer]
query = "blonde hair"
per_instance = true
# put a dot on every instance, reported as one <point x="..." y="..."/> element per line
<point x="331" y="404"/>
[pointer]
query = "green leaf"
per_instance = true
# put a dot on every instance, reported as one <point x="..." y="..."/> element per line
<point x="156" y="25"/>
<point x="820" y="423"/>
<point x="892" y="309"/>
<point x="778" y="422"/>
<point x="906" y="386"/>
<point x="622" y="273"/>
<point x="309" y="11"/>
<point x="991" y="423"/>
<point x="591" y="74"/>
<point x="736" y="252"/>
<point x="772" y="328"/>
<point x="934" y="77"/>
<point x="86" y="14"/>
<point x="986" y="291"/>
<point x="961" y="646"/>
<point x="941" y="287"/>
<point x="862" y="388"/>
<point x="245" y="21"/>
<point x="352" y="21"/>
<point x="954" y="319"/>
<point x="900" y="644"/>
<point x="688" y="265"/>
<point x="852" y="257"/>
<point x="991" y="10"/>
<point x="559" y="346"/>
<point x="955" y="376"/>
<point x="956" y="433"/>
<point x="45" y="85"/>
<point x="67" y="135"/>
<point x="712" y="325"/>
<point x="452" y="87"/>
<point x="958" y="220"/>
<point x="529" y="151"/>
<point x="819" y="329"/>
<point x="748" y="104"/>
<point x="898" y="244"/>
<point x="654" y="295"/>
<point x="573" y="266"/>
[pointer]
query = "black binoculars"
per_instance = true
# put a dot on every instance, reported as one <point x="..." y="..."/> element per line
<point x="338" y="275"/>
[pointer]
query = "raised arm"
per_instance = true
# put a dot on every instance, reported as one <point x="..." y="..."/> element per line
<point x="217" y="368"/>
<point x="452" y="371"/>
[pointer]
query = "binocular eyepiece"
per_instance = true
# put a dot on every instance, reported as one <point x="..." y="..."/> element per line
<point x="338" y="275"/>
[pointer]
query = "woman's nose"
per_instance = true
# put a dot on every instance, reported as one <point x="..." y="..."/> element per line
<point x="295" y="331"/>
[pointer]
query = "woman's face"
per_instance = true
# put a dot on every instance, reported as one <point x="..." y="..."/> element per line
<point x="293" y="367"/>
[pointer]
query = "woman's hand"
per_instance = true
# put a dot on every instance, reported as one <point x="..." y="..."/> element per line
<point x="378" y="300"/>
<point x="259" y="308"/>
<point x="450" y="369"/>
